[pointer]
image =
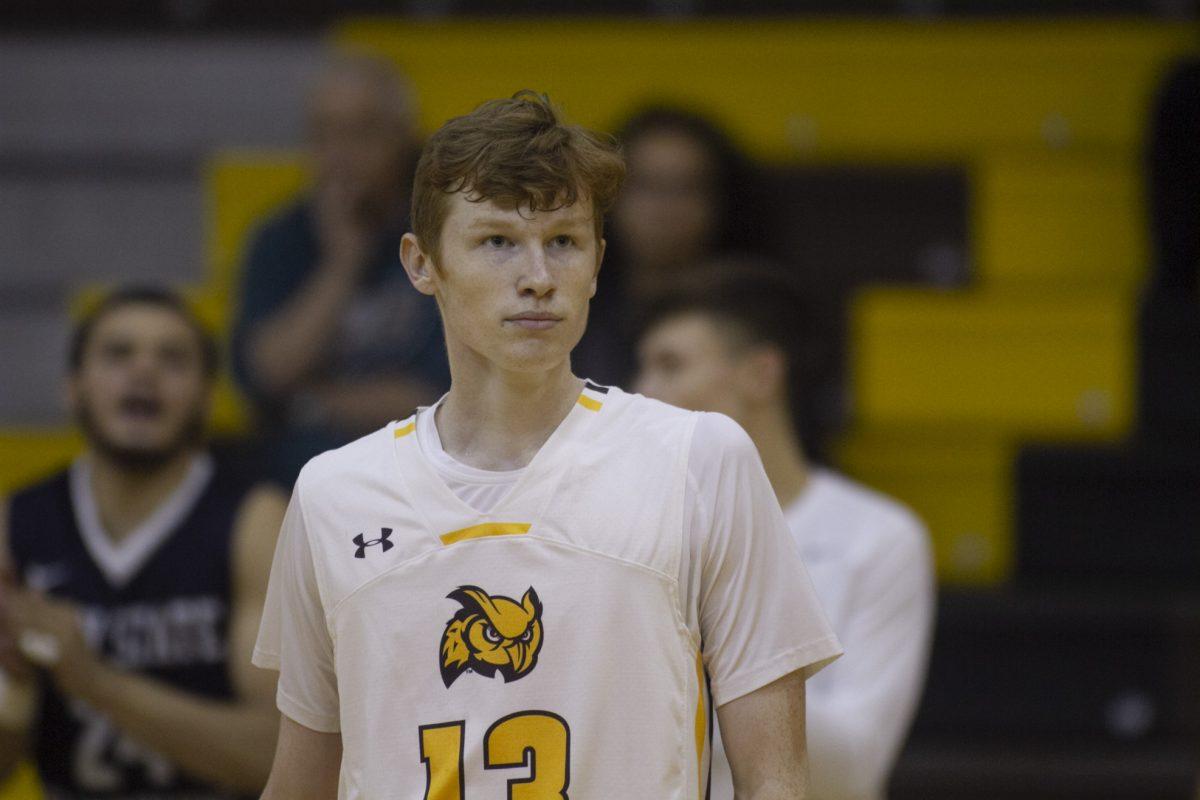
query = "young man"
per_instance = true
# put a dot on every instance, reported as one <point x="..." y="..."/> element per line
<point x="730" y="342"/>
<point x="136" y="580"/>
<point x="524" y="590"/>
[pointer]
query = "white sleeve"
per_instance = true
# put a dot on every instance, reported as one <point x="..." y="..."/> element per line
<point x="293" y="637"/>
<point x="857" y="724"/>
<point x="759" y="616"/>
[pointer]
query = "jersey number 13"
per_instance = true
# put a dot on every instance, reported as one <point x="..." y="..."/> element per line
<point x="536" y="740"/>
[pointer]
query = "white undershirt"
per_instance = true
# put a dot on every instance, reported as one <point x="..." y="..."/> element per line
<point x="481" y="489"/>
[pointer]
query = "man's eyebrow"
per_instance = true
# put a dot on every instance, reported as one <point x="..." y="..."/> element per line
<point x="497" y="221"/>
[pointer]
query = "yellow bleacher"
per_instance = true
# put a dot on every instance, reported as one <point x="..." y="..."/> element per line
<point x="901" y="90"/>
<point x="1067" y="219"/>
<point x="960" y="479"/>
<point x="1054" y="364"/>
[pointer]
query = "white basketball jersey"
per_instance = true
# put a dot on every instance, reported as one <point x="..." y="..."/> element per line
<point x="537" y="651"/>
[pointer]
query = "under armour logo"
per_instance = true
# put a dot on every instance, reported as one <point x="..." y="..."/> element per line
<point x="363" y="544"/>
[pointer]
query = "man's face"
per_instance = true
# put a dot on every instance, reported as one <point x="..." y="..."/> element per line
<point x="356" y="141"/>
<point x="685" y="360"/>
<point x="667" y="213"/>
<point x="141" y="393"/>
<point x="514" y="286"/>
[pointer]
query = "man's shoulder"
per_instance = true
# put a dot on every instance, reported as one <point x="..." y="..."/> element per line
<point x="53" y="490"/>
<point x="875" y="520"/>
<point x="650" y="422"/>
<point x="328" y="473"/>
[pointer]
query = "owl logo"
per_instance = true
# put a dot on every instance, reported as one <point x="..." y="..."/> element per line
<point x="491" y="634"/>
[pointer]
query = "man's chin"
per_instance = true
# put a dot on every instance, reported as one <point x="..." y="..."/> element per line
<point x="145" y="455"/>
<point x="136" y="458"/>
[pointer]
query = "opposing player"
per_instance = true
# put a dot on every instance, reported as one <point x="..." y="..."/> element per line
<point x="526" y="590"/>
<point x="731" y="342"/>
<point x="140" y="574"/>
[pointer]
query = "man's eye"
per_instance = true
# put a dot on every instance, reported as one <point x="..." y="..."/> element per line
<point x="562" y="241"/>
<point x="496" y="241"/>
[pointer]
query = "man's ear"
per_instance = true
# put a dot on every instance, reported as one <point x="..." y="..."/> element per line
<point x="417" y="264"/>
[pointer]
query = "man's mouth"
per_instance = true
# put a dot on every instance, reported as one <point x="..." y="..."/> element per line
<point x="535" y="320"/>
<point x="141" y="407"/>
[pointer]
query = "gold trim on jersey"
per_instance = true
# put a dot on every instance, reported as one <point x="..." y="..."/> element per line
<point x="589" y="403"/>
<point x="701" y="722"/>
<point x="485" y="529"/>
<point x="406" y="430"/>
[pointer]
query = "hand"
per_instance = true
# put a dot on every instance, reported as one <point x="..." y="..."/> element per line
<point x="35" y="619"/>
<point x="12" y="661"/>
<point x="344" y="240"/>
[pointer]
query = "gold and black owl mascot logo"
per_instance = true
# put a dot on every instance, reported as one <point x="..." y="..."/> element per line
<point x="491" y="634"/>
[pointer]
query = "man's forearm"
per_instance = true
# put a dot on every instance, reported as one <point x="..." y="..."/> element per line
<point x="224" y="743"/>
<point x="287" y="346"/>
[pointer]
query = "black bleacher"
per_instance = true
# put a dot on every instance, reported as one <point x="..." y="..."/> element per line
<point x="1040" y="694"/>
<point x="1119" y="516"/>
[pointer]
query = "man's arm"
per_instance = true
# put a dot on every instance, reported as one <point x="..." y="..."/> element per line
<point x="307" y="764"/>
<point x="284" y="348"/>
<point x="764" y="740"/>
<point x="14" y="710"/>
<point x="220" y="742"/>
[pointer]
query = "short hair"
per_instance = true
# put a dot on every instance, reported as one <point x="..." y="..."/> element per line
<point x="155" y="297"/>
<point x="753" y="299"/>
<point x="516" y="152"/>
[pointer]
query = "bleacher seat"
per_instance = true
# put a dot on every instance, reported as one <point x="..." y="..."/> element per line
<point x="1024" y="667"/>
<point x="1033" y="364"/>
<point x="1169" y="369"/>
<point x="958" y="481"/>
<point x="1120" y="517"/>
<point x="1059" y="220"/>
<point x="824" y="89"/>
<point x="31" y="454"/>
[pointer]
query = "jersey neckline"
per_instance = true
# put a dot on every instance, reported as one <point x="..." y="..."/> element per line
<point x="443" y="511"/>
<point x="120" y="560"/>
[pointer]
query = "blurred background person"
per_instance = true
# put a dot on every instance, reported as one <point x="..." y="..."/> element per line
<point x="730" y="339"/>
<point x="331" y="340"/>
<point x="137" y="579"/>
<point x="689" y="195"/>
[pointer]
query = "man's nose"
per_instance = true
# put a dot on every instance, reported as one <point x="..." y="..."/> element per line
<point x="537" y="278"/>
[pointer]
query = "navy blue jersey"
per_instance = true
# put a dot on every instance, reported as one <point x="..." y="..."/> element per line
<point x="156" y="603"/>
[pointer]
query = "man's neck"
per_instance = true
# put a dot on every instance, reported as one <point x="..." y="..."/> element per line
<point x="498" y="420"/>
<point x="782" y="455"/>
<point x="125" y="498"/>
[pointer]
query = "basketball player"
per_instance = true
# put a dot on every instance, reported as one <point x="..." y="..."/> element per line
<point x="731" y="342"/>
<point x="142" y="571"/>
<point x="526" y="589"/>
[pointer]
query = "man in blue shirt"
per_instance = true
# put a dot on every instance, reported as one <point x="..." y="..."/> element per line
<point x="331" y="339"/>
